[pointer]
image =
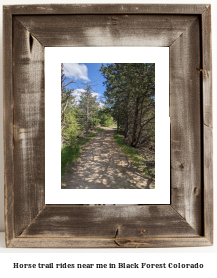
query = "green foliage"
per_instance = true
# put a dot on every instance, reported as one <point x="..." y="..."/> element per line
<point x="71" y="129"/>
<point x="105" y="118"/>
<point x="129" y="103"/>
<point x="133" y="154"/>
<point x="130" y="95"/>
<point x="149" y="172"/>
<point x="68" y="155"/>
<point x="88" y="108"/>
<point x="71" y="154"/>
<point x="94" y="121"/>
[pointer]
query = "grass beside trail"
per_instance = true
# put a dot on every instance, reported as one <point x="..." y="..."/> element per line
<point x="133" y="154"/>
<point x="69" y="154"/>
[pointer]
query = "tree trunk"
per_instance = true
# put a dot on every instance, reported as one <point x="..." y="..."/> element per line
<point x="135" y="125"/>
<point x="138" y="136"/>
<point x="126" y="127"/>
<point x="87" y="110"/>
<point x="118" y="124"/>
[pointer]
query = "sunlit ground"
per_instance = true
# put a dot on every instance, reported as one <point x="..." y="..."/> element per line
<point x="102" y="165"/>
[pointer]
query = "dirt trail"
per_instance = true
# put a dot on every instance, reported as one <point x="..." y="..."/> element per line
<point x="102" y="165"/>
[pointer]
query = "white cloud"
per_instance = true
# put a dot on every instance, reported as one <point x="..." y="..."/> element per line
<point x="95" y="94"/>
<point x="77" y="94"/>
<point x="101" y="104"/>
<point x="76" y="71"/>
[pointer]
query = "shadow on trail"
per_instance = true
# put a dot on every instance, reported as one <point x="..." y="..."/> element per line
<point x="102" y="165"/>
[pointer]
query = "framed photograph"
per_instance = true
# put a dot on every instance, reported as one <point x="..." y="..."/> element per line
<point x="137" y="116"/>
<point x="108" y="125"/>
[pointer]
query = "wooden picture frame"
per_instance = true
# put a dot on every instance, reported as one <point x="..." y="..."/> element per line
<point x="188" y="220"/>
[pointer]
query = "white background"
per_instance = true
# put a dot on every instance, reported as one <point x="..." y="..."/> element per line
<point x="53" y="192"/>
<point x="205" y="254"/>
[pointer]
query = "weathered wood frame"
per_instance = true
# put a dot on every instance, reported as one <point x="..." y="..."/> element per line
<point x="186" y="29"/>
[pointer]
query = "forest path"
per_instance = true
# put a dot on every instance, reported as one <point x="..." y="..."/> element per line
<point x="102" y="165"/>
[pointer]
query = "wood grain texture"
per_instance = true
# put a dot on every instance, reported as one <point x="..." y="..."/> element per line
<point x="29" y="223"/>
<point x="207" y="67"/>
<point x="107" y="9"/>
<point x="208" y="183"/>
<point x="109" y="221"/>
<point x="108" y="243"/>
<point x="8" y="125"/>
<point x="107" y="30"/>
<point x="29" y="136"/>
<point x="207" y="123"/>
<point x="185" y="113"/>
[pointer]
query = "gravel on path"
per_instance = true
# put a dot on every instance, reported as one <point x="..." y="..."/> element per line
<point x="102" y="165"/>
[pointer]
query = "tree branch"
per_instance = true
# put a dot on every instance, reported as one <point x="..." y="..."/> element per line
<point x="72" y="81"/>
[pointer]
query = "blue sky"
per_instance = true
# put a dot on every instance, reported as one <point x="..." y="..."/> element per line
<point x="82" y="73"/>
